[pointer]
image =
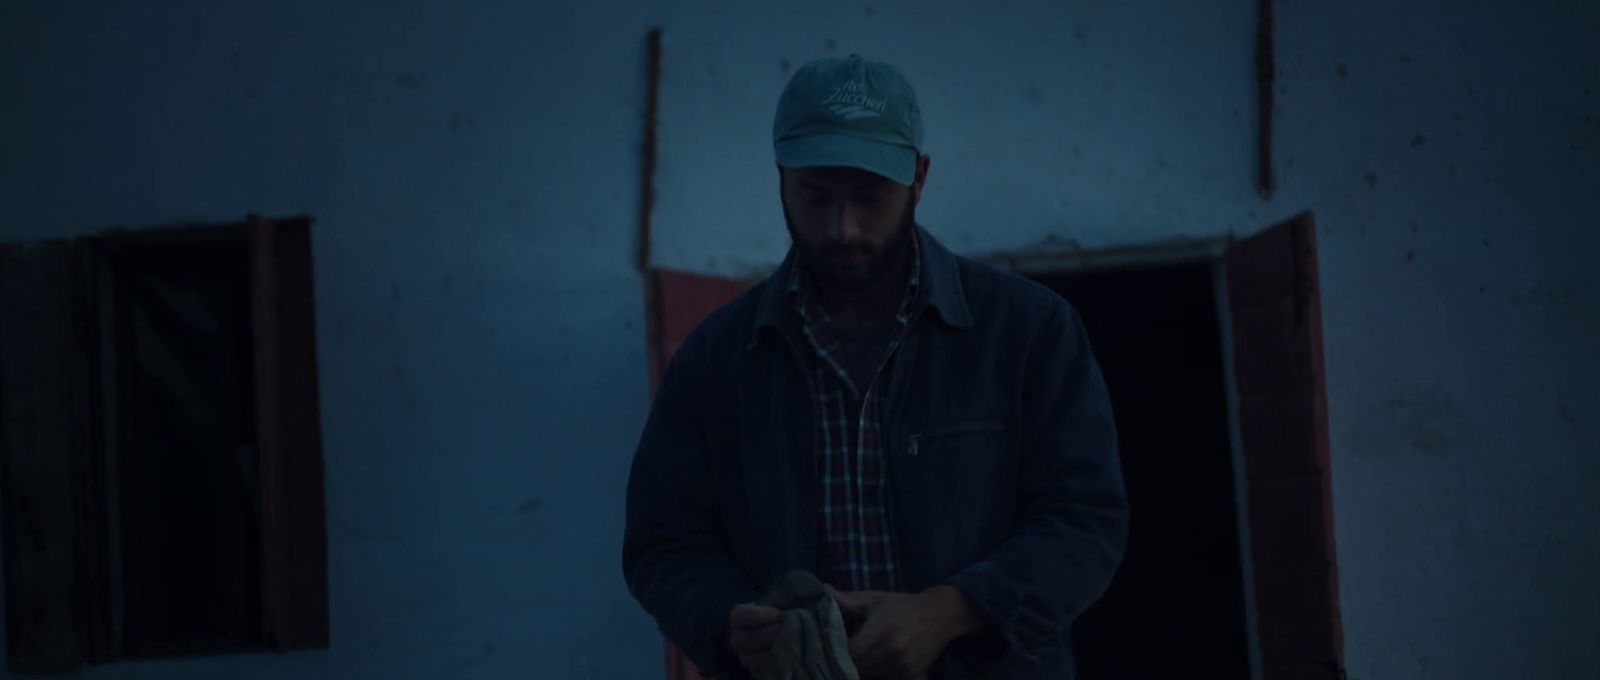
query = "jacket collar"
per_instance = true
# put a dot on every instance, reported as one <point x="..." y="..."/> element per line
<point x="940" y="289"/>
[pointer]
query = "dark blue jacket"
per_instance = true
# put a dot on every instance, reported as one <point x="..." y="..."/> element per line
<point x="1002" y="460"/>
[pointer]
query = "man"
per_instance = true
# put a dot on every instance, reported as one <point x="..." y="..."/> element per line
<point x="929" y="436"/>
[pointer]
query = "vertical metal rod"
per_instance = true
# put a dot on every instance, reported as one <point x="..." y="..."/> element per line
<point x="1266" y="68"/>
<point x="647" y="196"/>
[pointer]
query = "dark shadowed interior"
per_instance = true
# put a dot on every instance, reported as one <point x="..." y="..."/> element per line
<point x="1176" y="607"/>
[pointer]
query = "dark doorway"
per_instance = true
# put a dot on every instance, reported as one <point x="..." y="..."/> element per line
<point x="160" y="445"/>
<point x="1176" y="607"/>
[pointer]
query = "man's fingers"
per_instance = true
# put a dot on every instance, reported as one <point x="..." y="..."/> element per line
<point x="751" y="615"/>
<point x="850" y="603"/>
<point x="867" y="648"/>
<point x="751" y="631"/>
<point x="753" y="662"/>
<point x="754" y="640"/>
<point x="856" y="604"/>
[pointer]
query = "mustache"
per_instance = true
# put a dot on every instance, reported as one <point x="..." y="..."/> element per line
<point x="845" y="252"/>
<point x="845" y="249"/>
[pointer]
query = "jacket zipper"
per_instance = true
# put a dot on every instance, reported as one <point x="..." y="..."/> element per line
<point x="967" y="428"/>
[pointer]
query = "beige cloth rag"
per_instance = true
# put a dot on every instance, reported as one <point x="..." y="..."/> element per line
<point x="812" y="643"/>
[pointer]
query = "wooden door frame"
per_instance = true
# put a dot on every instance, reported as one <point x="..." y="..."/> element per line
<point x="1303" y="641"/>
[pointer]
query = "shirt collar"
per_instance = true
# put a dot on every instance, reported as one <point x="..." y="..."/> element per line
<point x="935" y="282"/>
<point x="799" y="294"/>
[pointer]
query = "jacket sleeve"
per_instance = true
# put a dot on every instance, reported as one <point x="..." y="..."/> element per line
<point x="675" y="554"/>
<point x="1073" y="513"/>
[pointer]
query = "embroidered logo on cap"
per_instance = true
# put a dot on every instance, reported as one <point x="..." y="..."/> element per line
<point x="851" y="101"/>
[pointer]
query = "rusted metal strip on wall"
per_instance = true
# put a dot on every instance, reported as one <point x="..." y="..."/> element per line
<point x="1266" y="68"/>
<point x="647" y="196"/>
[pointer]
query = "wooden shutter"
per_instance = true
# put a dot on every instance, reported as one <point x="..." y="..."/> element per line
<point x="294" y="542"/>
<point x="1283" y="426"/>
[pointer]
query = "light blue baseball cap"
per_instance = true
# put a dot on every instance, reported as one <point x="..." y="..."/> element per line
<point x="849" y="111"/>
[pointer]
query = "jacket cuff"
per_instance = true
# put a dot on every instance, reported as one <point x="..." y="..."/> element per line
<point x="710" y="652"/>
<point x="1017" y="612"/>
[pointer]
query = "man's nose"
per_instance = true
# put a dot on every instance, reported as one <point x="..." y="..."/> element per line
<point x="844" y="226"/>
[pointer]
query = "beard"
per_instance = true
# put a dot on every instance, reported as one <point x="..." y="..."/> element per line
<point x="856" y="266"/>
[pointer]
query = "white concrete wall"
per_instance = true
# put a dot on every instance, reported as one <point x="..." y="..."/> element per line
<point x="1100" y="123"/>
<point x="1453" y="168"/>
<point x="473" y="172"/>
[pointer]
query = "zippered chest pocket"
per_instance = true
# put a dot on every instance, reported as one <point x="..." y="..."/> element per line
<point x="962" y="434"/>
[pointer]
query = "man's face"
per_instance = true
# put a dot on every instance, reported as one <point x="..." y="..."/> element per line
<point x="850" y="226"/>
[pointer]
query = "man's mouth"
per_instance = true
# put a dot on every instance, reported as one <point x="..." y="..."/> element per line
<point x="847" y="258"/>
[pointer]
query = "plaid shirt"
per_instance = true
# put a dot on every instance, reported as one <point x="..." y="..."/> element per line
<point x="856" y="548"/>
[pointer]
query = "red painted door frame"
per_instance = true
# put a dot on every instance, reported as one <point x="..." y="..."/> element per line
<point x="1280" y="408"/>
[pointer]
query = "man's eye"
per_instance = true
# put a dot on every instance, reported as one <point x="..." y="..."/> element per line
<point x="814" y="199"/>
<point x="869" y="199"/>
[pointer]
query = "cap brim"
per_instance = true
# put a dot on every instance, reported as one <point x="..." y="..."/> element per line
<point x="893" y="161"/>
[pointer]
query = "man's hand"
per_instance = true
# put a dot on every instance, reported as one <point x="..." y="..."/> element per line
<point x="901" y="635"/>
<point x="751" y="630"/>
